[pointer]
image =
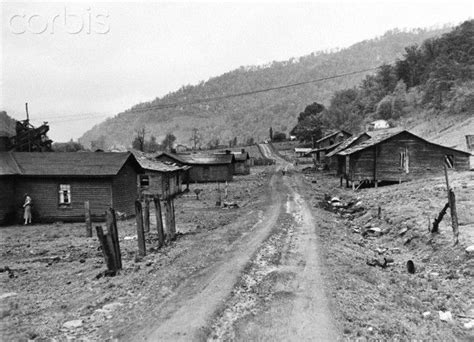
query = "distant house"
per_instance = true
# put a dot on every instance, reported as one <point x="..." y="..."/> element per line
<point x="377" y="124"/>
<point x="327" y="144"/>
<point x="242" y="161"/>
<point x="181" y="148"/>
<point x="204" y="167"/>
<point x="398" y="156"/>
<point x="161" y="178"/>
<point x="301" y="151"/>
<point x="59" y="183"/>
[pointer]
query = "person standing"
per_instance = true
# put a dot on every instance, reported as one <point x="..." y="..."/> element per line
<point x="27" y="207"/>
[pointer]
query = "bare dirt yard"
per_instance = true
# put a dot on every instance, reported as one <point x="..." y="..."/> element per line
<point x="382" y="301"/>
<point x="49" y="287"/>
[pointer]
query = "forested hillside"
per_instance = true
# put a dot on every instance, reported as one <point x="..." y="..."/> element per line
<point x="430" y="89"/>
<point x="7" y="125"/>
<point x="251" y="116"/>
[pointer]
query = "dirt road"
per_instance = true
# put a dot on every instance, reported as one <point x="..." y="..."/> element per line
<point x="269" y="287"/>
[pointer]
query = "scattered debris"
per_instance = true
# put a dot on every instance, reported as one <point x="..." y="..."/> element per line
<point x="8" y="295"/>
<point x="410" y="267"/>
<point x="446" y="316"/>
<point x="132" y="237"/>
<point x="375" y="262"/>
<point x="230" y="205"/>
<point x="74" y="324"/>
<point x="426" y="314"/>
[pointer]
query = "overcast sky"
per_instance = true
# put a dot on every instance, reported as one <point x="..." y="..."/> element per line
<point x="71" y="59"/>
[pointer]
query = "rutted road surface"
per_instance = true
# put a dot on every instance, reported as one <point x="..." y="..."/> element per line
<point x="269" y="288"/>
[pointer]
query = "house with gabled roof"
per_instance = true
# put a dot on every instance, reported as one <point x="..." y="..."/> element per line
<point x="397" y="155"/>
<point x="242" y="161"/>
<point x="59" y="184"/>
<point x="160" y="178"/>
<point x="327" y="144"/>
<point x="204" y="167"/>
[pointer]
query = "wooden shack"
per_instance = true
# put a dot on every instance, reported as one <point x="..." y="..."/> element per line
<point x="335" y="162"/>
<point x="204" y="167"/>
<point x="327" y="144"/>
<point x="159" y="178"/>
<point x="242" y="161"/>
<point x="398" y="156"/>
<point x="60" y="183"/>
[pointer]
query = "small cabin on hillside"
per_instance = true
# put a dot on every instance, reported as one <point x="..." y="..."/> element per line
<point x="204" y="167"/>
<point x="398" y="156"/>
<point x="160" y="178"/>
<point x="327" y="144"/>
<point x="60" y="183"/>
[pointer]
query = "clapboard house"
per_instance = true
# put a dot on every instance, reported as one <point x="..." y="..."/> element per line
<point x="204" y="167"/>
<point x="397" y="156"/>
<point x="60" y="183"/>
<point x="327" y="144"/>
<point x="335" y="162"/>
<point x="160" y="178"/>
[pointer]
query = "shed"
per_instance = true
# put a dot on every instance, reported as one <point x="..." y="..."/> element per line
<point x="395" y="155"/>
<point x="302" y="151"/>
<point x="204" y="167"/>
<point x="161" y="178"/>
<point x="60" y="183"/>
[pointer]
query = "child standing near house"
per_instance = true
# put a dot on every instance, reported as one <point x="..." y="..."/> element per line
<point x="27" y="206"/>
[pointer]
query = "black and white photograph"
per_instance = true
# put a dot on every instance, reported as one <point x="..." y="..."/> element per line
<point x="190" y="170"/>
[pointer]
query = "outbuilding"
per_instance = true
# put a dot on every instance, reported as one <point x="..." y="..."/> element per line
<point x="204" y="167"/>
<point x="395" y="155"/>
<point x="60" y="183"/>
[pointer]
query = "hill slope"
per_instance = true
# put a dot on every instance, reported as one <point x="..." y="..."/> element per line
<point x="251" y="116"/>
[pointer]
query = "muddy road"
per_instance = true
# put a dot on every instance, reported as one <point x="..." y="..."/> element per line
<point x="268" y="288"/>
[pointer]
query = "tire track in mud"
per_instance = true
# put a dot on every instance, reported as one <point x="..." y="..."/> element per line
<point x="280" y="296"/>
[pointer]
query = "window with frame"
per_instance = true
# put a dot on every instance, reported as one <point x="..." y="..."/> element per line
<point x="65" y="194"/>
<point x="144" y="180"/>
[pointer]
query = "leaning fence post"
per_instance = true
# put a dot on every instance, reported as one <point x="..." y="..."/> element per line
<point x="140" y="231"/>
<point x="113" y="232"/>
<point x="87" y="216"/>
<point x="108" y="257"/>
<point x="452" y="207"/>
<point x="159" y="221"/>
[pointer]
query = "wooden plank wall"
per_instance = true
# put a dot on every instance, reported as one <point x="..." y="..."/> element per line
<point x="45" y="195"/>
<point x="425" y="160"/>
<point x="217" y="173"/>
<point x="125" y="191"/>
<point x="8" y="205"/>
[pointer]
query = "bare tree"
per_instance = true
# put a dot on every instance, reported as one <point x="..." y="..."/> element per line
<point x="195" y="138"/>
<point x="139" y="140"/>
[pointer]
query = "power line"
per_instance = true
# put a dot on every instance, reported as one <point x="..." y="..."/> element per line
<point x="212" y="99"/>
<point x="223" y="97"/>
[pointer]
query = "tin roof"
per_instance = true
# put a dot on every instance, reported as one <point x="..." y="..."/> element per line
<point x="207" y="159"/>
<point x="64" y="163"/>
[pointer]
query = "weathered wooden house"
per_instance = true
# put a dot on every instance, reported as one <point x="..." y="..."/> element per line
<point x="335" y="162"/>
<point x="327" y="144"/>
<point x="161" y="178"/>
<point x="302" y="151"/>
<point x="60" y="183"/>
<point x="242" y="161"/>
<point x="398" y="156"/>
<point x="204" y="167"/>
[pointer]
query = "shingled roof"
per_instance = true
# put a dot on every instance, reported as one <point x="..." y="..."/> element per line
<point x="330" y="135"/>
<point x="380" y="136"/>
<point x="64" y="163"/>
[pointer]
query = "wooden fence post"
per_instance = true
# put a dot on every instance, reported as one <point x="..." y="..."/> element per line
<point x="113" y="232"/>
<point x="146" y="216"/>
<point x="87" y="216"/>
<point x="108" y="256"/>
<point x="140" y="231"/>
<point x="173" y="218"/>
<point x="159" y="221"/>
<point x="452" y="207"/>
